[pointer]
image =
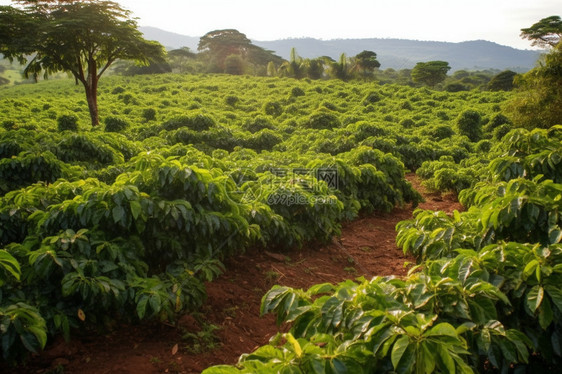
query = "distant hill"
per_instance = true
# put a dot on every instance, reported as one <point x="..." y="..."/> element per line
<point x="392" y="53"/>
<point x="170" y="40"/>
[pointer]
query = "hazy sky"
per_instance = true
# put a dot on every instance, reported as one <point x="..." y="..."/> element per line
<point x="499" y="21"/>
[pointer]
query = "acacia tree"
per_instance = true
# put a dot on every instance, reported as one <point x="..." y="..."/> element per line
<point x="217" y="45"/>
<point x="545" y="33"/>
<point x="431" y="72"/>
<point x="80" y="37"/>
<point x="365" y="64"/>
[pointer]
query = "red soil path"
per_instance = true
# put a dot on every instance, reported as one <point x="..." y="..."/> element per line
<point x="366" y="248"/>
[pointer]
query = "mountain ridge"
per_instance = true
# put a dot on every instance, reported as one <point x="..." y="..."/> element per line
<point x="391" y="52"/>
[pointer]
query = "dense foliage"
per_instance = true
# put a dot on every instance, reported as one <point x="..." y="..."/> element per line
<point x="128" y="223"/>
<point x="485" y="296"/>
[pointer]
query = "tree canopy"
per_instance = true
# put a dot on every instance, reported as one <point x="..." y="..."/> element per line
<point x="545" y="33"/>
<point x="502" y="81"/>
<point x="365" y="63"/>
<point x="538" y="102"/>
<point x="431" y="72"/>
<point x="80" y="37"/>
<point x="218" y="45"/>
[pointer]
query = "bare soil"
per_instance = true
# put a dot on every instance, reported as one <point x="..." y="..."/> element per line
<point x="229" y="324"/>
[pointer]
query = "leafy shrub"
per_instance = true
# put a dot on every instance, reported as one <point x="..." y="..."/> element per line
<point x="258" y="123"/>
<point x="117" y="90"/>
<point x="297" y="91"/>
<point x="67" y="122"/>
<point x="484" y="146"/>
<point x="264" y="139"/>
<point x="442" y="132"/>
<point x="322" y="120"/>
<point x="8" y="125"/>
<point x="362" y="130"/>
<point x="86" y="148"/>
<point x="455" y="87"/>
<point x="113" y="124"/>
<point x="407" y="123"/>
<point x="231" y="100"/>
<point x="9" y="148"/>
<point x="28" y="168"/>
<point x="441" y="114"/>
<point x="501" y="131"/>
<point x="406" y="105"/>
<point x="469" y="123"/>
<point x="273" y="108"/>
<point x="149" y="114"/>
<point x="371" y="98"/>
<point x="496" y="121"/>
<point x="199" y="122"/>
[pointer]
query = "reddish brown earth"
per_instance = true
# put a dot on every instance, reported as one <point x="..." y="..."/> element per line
<point x="366" y="248"/>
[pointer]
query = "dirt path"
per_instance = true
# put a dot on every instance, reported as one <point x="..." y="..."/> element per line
<point x="229" y="323"/>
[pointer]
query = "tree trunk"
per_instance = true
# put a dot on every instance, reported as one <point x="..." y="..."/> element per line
<point x="92" y="98"/>
<point x="91" y="87"/>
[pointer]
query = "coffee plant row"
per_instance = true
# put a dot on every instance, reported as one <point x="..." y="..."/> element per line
<point x="485" y="296"/>
<point x="127" y="221"/>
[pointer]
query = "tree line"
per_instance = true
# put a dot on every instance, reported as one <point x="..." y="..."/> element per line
<point x="87" y="38"/>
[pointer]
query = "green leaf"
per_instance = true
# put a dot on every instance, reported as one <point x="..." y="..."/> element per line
<point x="427" y="358"/>
<point x="555" y="294"/>
<point x="535" y="297"/>
<point x="399" y="349"/>
<point x="545" y="314"/>
<point x="530" y="268"/>
<point x="118" y="213"/>
<point x="10" y="264"/>
<point x="338" y="366"/>
<point x="442" y="329"/>
<point x="294" y="343"/>
<point x="221" y="369"/>
<point x="141" y="306"/>
<point x="135" y="208"/>
<point x="446" y="359"/>
<point x="554" y="236"/>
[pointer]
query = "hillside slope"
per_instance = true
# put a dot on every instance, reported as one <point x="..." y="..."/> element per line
<point x="392" y="53"/>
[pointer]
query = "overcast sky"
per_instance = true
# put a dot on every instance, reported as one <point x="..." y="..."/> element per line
<point x="499" y="21"/>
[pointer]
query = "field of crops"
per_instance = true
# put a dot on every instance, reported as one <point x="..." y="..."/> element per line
<point x="126" y="222"/>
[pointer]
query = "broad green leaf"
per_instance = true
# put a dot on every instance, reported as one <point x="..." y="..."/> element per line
<point x="135" y="208"/>
<point x="427" y="363"/>
<point x="10" y="264"/>
<point x="141" y="306"/>
<point x="446" y="359"/>
<point x="398" y="350"/>
<point x="535" y="297"/>
<point x="555" y="294"/>
<point x="442" y="329"/>
<point x="118" y="213"/>
<point x="555" y="236"/>
<point x="530" y="268"/>
<point x="545" y="314"/>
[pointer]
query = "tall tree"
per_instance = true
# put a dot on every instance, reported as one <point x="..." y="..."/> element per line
<point x="80" y="37"/>
<point x="545" y="33"/>
<point x="502" y="81"/>
<point x="339" y="70"/>
<point x="315" y="68"/>
<point x="538" y="99"/>
<point x="217" y="45"/>
<point x="430" y="73"/>
<point x="295" y="67"/>
<point x="365" y="64"/>
<point x="180" y="58"/>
